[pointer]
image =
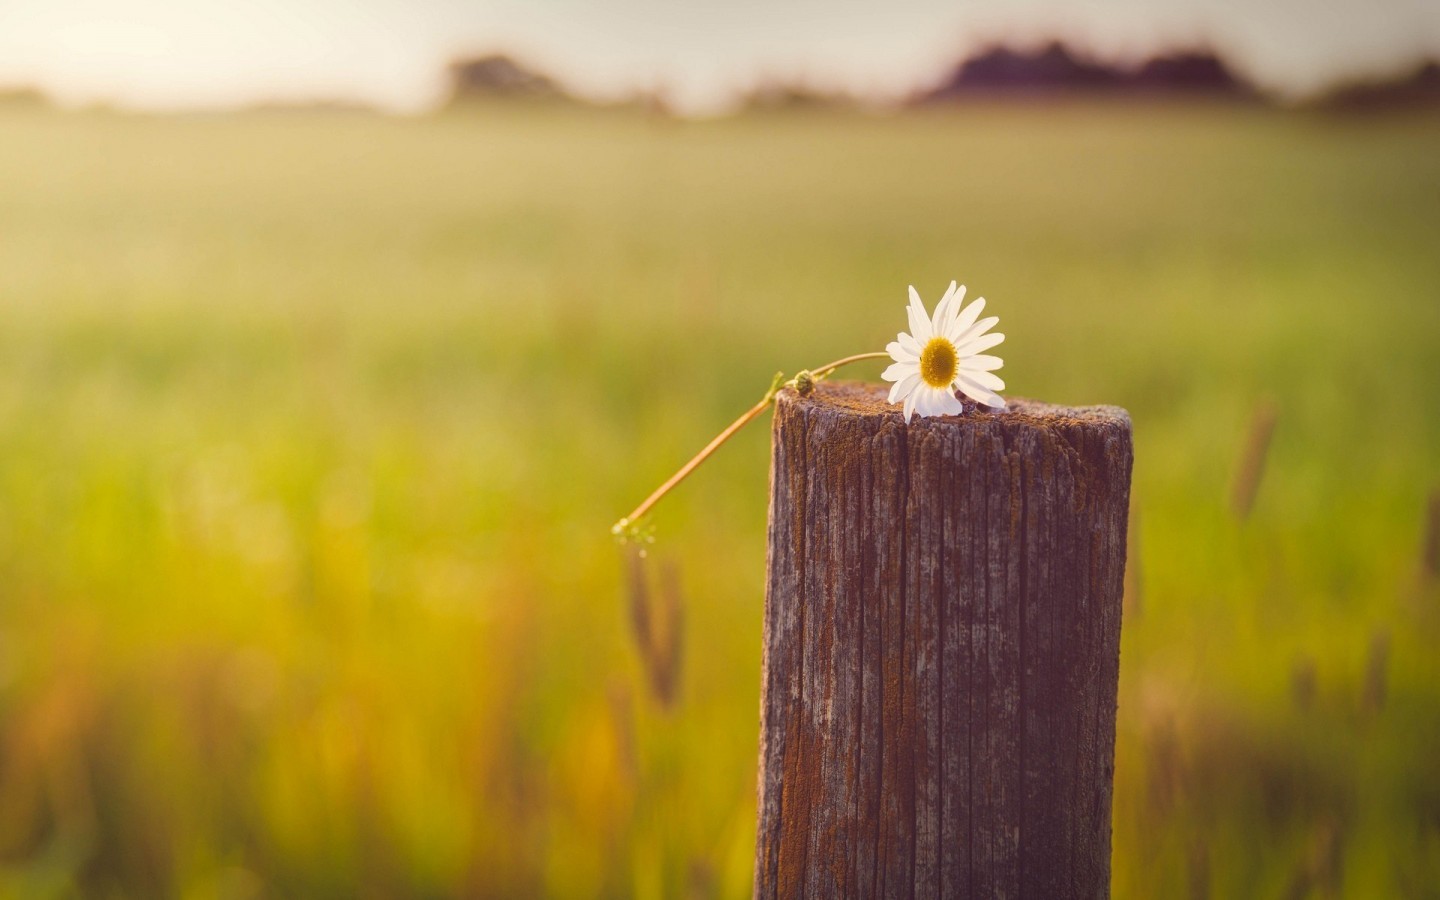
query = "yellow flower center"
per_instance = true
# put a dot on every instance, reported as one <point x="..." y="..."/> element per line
<point x="938" y="362"/>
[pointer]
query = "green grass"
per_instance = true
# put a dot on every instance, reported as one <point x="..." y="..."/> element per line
<point x="312" y="428"/>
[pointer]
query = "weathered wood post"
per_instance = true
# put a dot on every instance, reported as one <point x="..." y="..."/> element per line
<point x="942" y="629"/>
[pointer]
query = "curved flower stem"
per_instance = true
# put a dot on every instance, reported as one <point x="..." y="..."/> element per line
<point x="626" y="526"/>
<point x="825" y="370"/>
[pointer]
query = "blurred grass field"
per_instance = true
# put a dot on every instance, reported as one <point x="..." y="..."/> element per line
<point x="312" y="428"/>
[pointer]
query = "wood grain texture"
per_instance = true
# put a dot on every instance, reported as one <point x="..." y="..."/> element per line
<point x="942" y="629"/>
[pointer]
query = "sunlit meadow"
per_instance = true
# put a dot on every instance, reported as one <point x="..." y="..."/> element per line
<point x="312" y="427"/>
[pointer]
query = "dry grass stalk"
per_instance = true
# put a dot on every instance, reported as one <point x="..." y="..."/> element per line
<point x="1320" y="870"/>
<point x="1302" y="682"/>
<point x="658" y="631"/>
<point x="1199" y="866"/>
<point x="1252" y="460"/>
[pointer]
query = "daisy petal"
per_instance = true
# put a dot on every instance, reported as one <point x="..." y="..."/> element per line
<point x="984" y="379"/>
<point x="980" y="363"/>
<point x="898" y="352"/>
<point x="966" y="318"/>
<point x="956" y="305"/>
<point x="924" y="402"/>
<point x="898" y="371"/>
<point x="977" y="392"/>
<point x="948" y="404"/>
<point x="984" y="342"/>
<point x="919" y="319"/>
<point x="976" y="330"/>
<point x="942" y="310"/>
<point x="904" y="387"/>
<point x="915" y="404"/>
<point x="914" y="347"/>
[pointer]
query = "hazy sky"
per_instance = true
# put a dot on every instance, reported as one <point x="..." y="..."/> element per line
<point x="190" y="53"/>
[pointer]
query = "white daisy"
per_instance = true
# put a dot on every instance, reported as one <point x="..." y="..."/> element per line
<point x="942" y="354"/>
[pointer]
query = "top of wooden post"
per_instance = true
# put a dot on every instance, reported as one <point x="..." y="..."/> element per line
<point x="867" y="399"/>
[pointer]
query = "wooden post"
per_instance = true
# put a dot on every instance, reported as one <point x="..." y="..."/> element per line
<point x="942" y="628"/>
